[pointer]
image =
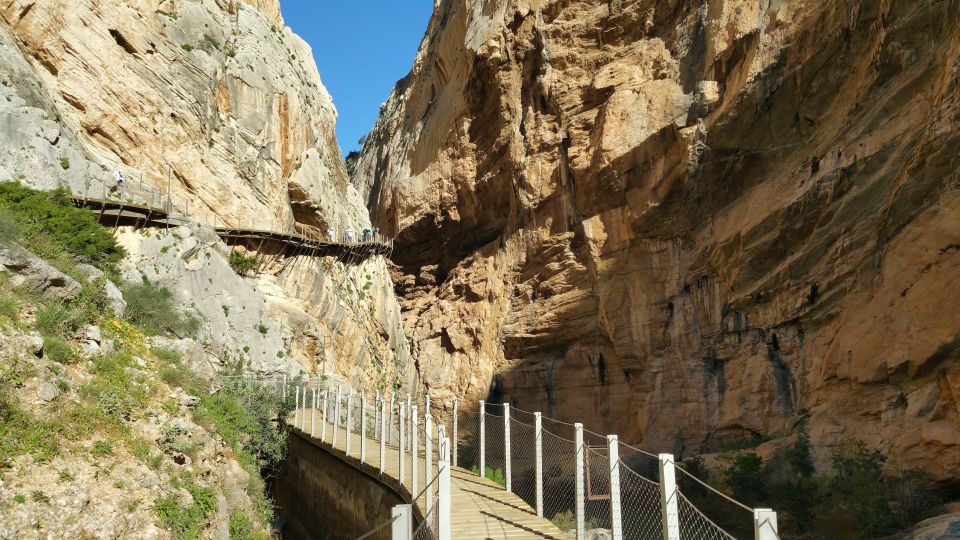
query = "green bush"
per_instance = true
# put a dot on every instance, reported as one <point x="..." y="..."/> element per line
<point x="59" y="350"/>
<point x="151" y="308"/>
<point x="115" y="394"/>
<point x="22" y="433"/>
<point x="242" y="527"/>
<point x="65" y="163"/>
<point x="242" y="264"/>
<point x="187" y="522"/>
<point x="496" y="475"/>
<point x="9" y="307"/>
<point x="48" y="224"/>
<point x="187" y="47"/>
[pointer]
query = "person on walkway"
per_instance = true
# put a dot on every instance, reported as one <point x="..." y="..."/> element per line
<point x="331" y="234"/>
<point x="349" y="235"/>
<point x="118" y="176"/>
<point x="376" y="233"/>
<point x="366" y="235"/>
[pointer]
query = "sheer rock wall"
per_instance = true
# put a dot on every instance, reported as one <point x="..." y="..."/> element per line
<point x="219" y="103"/>
<point x="685" y="222"/>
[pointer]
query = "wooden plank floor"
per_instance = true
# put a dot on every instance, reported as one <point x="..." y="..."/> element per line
<point x="481" y="509"/>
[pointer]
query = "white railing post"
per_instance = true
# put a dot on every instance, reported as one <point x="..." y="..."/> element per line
<point x="402" y="528"/>
<point x="409" y="421"/>
<point x="284" y="388"/>
<point x="363" y="426"/>
<point x="303" y="416"/>
<point x="383" y="436"/>
<point x="313" y="413"/>
<point x="376" y="419"/>
<point x="506" y="446"/>
<point x="402" y="421"/>
<point x="323" y="416"/>
<point x="580" y="489"/>
<point x="414" y="453"/>
<point x="349" y="419"/>
<point x="616" y="520"/>
<point x="336" y="416"/>
<point x="296" y="408"/>
<point x="428" y="457"/>
<point x="443" y="495"/>
<point x="390" y="419"/>
<point x="483" y="440"/>
<point x="538" y="453"/>
<point x="455" y="432"/>
<point x="765" y="524"/>
<point x="668" y="498"/>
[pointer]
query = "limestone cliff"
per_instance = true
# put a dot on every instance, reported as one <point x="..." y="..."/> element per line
<point x="219" y="104"/>
<point x="685" y="222"/>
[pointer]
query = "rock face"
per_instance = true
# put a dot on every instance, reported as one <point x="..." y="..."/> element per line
<point x="685" y="222"/>
<point x="220" y="103"/>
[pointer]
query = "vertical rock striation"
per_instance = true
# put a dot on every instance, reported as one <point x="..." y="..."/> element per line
<point x="686" y="222"/>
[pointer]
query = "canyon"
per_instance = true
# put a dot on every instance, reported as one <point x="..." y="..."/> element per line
<point x="696" y="224"/>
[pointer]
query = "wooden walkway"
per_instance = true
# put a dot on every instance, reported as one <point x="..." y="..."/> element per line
<point x="481" y="509"/>
<point x="115" y="213"/>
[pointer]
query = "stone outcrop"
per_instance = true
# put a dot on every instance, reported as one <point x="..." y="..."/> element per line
<point x="218" y="103"/>
<point x="685" y="222"/>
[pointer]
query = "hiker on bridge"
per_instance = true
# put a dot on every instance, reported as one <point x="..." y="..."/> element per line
<point x="331" y="234"/>
<point x="349" y="233"/>
<point x="118" y="176"/>
<point x="367" y="233"/>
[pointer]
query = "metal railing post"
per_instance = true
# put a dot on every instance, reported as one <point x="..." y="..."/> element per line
<point x="443" y="497"/>
<point x="616" y="519"/>
<point x="414" y="452"/>
<point x="323" y="415"/>
<point x="402" y="528"/>
<point x="284" y="387"/>
<point x="376" y="418"/>
<point x="765" y="524"/>
<point x="349" y="419"/>
<point x="402" y="421"/>
<point x="668" y="498"/>
<point x="303" y="417"/>
<point x="383" y="436"/>
<point x="296" y="408"/>
<point x="428" y="457"/>
<point x="336" y="416"/>
<point x="538" y="453"/>
<point x="506" y="446"/>
<point x="483" y="440"/>
<point x="580" y="489"/>
<point x="313" y="412"/>
<point x="390" y="420"/>
<point x="455" y="432"/>
<point x="363" y="426"/>
<point x="409" y="420"/>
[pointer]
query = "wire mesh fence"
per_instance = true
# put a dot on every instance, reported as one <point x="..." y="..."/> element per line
<point x="733" y="518"/>
<point x="523" y="461"/>
<point x="468" y="440"/>
<point x="597" y="483"/>
<point x="559" y="480"/>
<point x="694" y="524"/>
<point x="494" y="440"/>
<point x="640" y="505"/>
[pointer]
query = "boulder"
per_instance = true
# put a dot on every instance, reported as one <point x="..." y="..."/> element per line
<point x="28" y="270"/>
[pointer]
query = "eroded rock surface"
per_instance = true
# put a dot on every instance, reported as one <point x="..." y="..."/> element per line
<point x="685" y="222"/>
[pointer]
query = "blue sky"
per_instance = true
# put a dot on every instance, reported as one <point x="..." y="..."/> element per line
<point x="362" y="48"/>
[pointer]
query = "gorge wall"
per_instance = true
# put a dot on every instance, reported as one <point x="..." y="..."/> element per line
<point x="685" y="222"/>
<point x="219" y="104"/>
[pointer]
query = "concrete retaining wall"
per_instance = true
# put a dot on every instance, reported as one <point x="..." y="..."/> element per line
<point x="320" y="496"/>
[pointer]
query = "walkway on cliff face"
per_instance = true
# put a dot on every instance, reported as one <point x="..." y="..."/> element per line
<point x="501" y="472"/>
<point x="305" y="241"/>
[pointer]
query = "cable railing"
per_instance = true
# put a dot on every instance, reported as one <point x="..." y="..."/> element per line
<point x="585" y="483"/>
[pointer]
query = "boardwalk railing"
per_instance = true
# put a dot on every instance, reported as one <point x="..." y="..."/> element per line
<point x="148" y="205"/>
<point x="582" y="481"/>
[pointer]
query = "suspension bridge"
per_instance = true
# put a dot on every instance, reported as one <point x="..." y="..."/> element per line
<point x="500" y="472"/>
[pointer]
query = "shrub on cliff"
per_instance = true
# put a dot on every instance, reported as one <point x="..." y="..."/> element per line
<point x="49" y="225"/>
<point x="151" y="307"/>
